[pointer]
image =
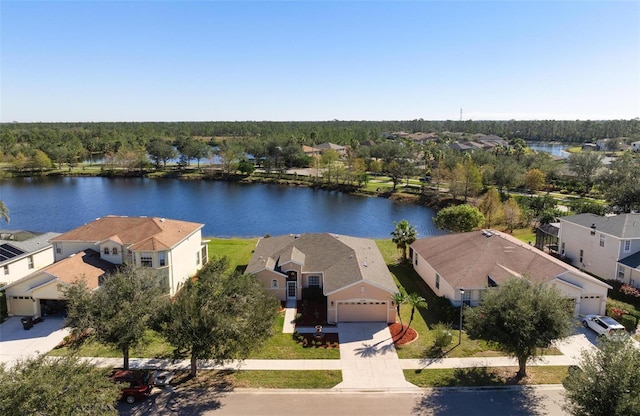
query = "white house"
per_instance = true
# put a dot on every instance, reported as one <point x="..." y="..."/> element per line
<point x="606" y="246"/>
<point x="635" y="146"/>
<point x="174" y="248"/>
<point x="479" y="260"/>
<point x="23" y="252"/>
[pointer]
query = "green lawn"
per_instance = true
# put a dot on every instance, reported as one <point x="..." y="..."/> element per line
<point x="237" y="250"/>
<point x="278" y="379"/>
<point x="483" y="376"/>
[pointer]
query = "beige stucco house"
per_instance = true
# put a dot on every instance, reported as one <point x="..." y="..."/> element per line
<point x="23" y="252"/>
<point x="350" y="271"/>
<point x="606" y="246"/>
<point x="479" y="260"/>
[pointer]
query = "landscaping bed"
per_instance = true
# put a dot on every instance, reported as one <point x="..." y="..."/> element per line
<point x="328" y="340"/>
<point x="401" y="334"/>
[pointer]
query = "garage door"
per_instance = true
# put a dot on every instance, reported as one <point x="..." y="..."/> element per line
<point x="590" y="305"/>
<point x="362" y="311"/>
<point x="22" y="305"/>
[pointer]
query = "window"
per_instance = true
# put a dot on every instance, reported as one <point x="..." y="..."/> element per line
<point x="6" y="269"/>
<point x="314" y="281"/>
<point x="601" y="240"/>
<point x="620" y="272"/>
<point x="437" y="281"/>
<point x="466" y="298"/>
<point x="582" y="256"/>
<point x="562" y="248"/>
<point x="627" y="246"/>
<point x="30" y="262"/>
<point x="114" y="251"/>
<point x="106" y="250"/>
<point x="198" y="257"/>
<point x="58" y="248"/>
<point x="146" y="260"/>
<point x="274" y="284"/>
<point x="162" y="259"/>
<point x="204" y="255"/>
<point x="416" y="259"/>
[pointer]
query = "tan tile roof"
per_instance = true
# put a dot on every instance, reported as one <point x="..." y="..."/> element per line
<point x="343" y="260"/>
<point x="465" y="260"/>
<point x="142" y="233"/>
<point x="86" y="265"/>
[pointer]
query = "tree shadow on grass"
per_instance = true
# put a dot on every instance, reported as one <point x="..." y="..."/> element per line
<point x="412" y="282"/>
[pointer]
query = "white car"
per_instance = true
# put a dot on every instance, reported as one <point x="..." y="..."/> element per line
<point x="603" y="325"/>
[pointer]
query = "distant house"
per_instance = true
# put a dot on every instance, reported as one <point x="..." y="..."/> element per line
<point x="42" y="291"/>
<point x="350" y="272"/>
<point x="635" y="146"/>
<point x="323" y="147"/>
<point x="606" y="246"/>
<point x="23" y="252"/>
<point x="589" y="146"/>
<point x="479" y="260"/>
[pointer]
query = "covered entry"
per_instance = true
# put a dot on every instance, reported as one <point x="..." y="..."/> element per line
<point x="362" y="311"/>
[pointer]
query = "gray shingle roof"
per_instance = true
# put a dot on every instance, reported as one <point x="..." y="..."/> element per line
<point x="622" y="226"/>
<point x="32" y="243"/>
<point x="465" y="260"/>
<point x="343" y="260"/>
<point x="632" y="261"/>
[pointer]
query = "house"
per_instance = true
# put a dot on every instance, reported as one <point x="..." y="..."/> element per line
<point x="605" y="246"/>
<point x="349" y="271"/>
<point x="42" y="291"/>
<point x="175" y="248"/>
<point x="23" y="252"/>
<point x="323" y="147"/>
<point x="635" y="146"/>
<point x="479" y="260"/>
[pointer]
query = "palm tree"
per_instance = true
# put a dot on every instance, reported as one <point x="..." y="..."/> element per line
<point x="416" y="301"/>
<point x="399" y="298"/>
<point x="403" y="236"/>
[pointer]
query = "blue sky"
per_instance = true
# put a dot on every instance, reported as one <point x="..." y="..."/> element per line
<point x="322" y="60"/>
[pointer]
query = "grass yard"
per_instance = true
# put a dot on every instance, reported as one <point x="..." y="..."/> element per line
<point x="277" y="379"/>
<point x="525" y="235"/>
<point x="483" y="376"/>
<point x="237" y="250"/>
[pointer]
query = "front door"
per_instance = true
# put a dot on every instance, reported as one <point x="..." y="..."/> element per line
<point x="291" y="290"/>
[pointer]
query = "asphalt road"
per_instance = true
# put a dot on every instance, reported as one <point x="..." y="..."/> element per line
<point x="521" y="401"/>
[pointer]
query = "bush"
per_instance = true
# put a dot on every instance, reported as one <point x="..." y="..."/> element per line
<point x="442" y="335"/>
<point x="629" y="322"/>
<point x="445" y="311"/>
<point x="312" y="293"/>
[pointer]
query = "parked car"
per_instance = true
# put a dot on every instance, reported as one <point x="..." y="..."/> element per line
<point x="136" y="384"/>
<point x="603" y="325"/>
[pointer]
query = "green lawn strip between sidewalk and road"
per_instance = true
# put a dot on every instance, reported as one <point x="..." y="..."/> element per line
<point x="483" y="376"/>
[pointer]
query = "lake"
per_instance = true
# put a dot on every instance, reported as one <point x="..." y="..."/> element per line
<point x="556" y="149"/>
<point x="227" y="209"/>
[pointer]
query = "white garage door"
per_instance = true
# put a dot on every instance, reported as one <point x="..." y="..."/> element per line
<point x="590" y="305"/>
<point x="22" y="306"/>
<point x="362" y="311"/>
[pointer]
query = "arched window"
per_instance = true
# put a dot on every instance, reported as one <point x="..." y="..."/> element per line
<point x="274" y="283"/>
<point x="106" y="250"/>
<point x="114" y="250"/>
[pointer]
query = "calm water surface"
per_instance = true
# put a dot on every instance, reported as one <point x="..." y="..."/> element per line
<point x="556" y="149"/>
<point x="226" y="209"/>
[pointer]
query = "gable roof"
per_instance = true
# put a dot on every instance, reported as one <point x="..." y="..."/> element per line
<point x="86" y="265"/>
<point x="343" y="260"/>
<point x="621" y="226"/>
<point x="632" y="261"/>
<point x="140" y="233"/>
<point x="16" y="244"/>
<point x="468" y="260"/>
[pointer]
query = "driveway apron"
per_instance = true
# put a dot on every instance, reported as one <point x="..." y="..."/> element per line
<point x="17" y="343"/>
<point x="368" y="358"/>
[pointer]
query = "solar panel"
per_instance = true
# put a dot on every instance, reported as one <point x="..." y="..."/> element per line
<point x="8" y="252"/>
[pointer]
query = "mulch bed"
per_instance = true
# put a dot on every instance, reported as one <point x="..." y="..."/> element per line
<point x="329" y="340"/>
<point x="401" y="334"/>
<point x="313" y="312"/>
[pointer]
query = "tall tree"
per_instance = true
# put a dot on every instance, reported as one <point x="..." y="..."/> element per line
<point x="512" y="213"/>
<point x="607" y="382"/>
<point x="621" y="183"/>
<point x="120" y="311"/>
<point x="585" y="165"/>
<point x="44" y="385"/>
<point x="4" y="212"/>
<point x="460" y="218"/>
<point x="403" y="236"/>
<point x="534" y="179"/>
<point x="219" y="315"/>
<point x="160" y="151"/>
<point x="521" y="318"/>
<point x="491" y="205"/>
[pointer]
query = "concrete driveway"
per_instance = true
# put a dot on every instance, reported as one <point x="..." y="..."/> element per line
<point x="17" y="343"/>
<point x="368" y="358"/>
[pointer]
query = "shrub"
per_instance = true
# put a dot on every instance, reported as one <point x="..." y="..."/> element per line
<point x="629" y="322"/>
<point x="442" y="335"/>
<point x="443" y="308"/>
<point x="312" y="293"/>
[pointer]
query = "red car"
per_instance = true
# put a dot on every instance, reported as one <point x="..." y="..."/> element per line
<point x="136" y="384"/>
